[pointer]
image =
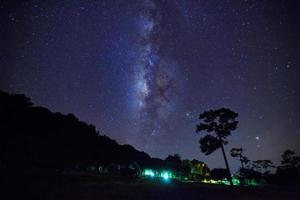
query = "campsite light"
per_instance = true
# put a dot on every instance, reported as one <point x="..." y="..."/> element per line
<point x="149" y="172"/>
<point x="235" y="181"/>
<point x="165" y="175"/>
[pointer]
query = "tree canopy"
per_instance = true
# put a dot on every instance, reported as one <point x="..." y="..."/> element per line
<point x="218" y="124"/>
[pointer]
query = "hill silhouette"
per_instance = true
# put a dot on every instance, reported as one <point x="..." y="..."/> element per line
<point x="33" y="136"/>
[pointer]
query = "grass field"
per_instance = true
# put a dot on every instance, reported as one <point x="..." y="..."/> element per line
<point x="81" y="187"/>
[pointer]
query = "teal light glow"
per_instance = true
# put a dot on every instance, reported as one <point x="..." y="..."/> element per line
<point x="235" y="181"/>
<point x="165" y="175"/>
<point x="149" y="172"/>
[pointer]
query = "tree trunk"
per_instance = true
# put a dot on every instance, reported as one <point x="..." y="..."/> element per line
<point x="242" y="164"/>
<point x="227" y="166"/>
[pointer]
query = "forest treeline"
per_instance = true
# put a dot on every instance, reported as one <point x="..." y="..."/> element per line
<point x="34" y="137"/>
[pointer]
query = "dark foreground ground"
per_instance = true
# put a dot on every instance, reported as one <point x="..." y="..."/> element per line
<point x="88" y="187"/>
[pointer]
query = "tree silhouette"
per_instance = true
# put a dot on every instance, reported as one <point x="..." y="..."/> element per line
<point x="219" y="124"/>
<point x="263" y="165"/>
<point x="199" y="170"/>
<point x="218" y="173"/>
<point x="289" y="170"/>
<point x="186" y="167"/>
<point x="174" y="162"/>
<point x="290" y="160"/>
<point x="238" y="153"/>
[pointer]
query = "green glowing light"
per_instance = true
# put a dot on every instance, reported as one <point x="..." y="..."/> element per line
<point x="225" y="182"/>
<point x="235" y="181"/>
<point x="149" y="172"/>
<point x="165" y="175"/>
<point x="251" y="182"/>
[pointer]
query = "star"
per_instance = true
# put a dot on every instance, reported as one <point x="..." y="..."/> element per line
<point x="187" y="114"/>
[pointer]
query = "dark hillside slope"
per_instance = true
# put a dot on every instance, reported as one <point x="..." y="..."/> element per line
<point x="36" y="137"/>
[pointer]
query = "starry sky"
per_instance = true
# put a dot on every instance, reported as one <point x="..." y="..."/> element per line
<point x="142" y="71"/>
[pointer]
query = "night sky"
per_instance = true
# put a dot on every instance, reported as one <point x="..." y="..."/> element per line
<point x="142" y="71"/>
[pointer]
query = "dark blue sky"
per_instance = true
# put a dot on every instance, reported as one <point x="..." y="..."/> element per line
<point x="142" y="71"/>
